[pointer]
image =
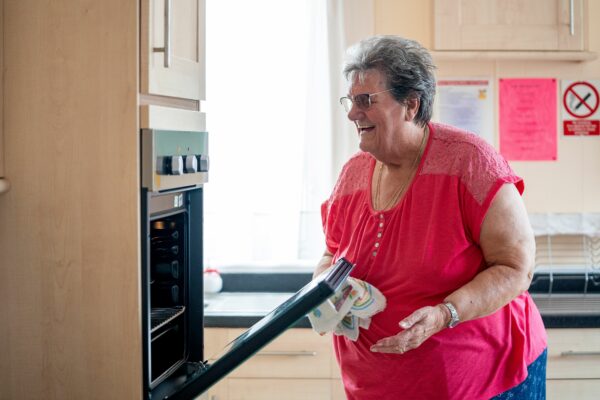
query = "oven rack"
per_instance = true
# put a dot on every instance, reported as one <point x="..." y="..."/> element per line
<point x="159" y="317"/>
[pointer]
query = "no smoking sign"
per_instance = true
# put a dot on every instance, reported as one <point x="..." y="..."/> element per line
<point x="580" y="112"/>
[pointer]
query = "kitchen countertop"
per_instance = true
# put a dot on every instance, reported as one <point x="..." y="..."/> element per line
<point x="242" y="309"/>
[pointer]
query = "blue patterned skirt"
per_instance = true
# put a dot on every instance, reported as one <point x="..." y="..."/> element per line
<point x="534" y="386"/>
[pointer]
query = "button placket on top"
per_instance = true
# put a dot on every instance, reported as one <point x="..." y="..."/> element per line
<point x="379" y="234"/>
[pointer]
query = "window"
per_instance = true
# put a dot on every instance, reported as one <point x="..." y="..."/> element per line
<point x="269" y="121"/>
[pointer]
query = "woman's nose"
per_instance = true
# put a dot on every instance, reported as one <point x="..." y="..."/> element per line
<point x="355" y="113"/>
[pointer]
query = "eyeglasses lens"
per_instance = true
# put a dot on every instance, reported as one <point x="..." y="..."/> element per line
<point x="362" y="101"/>
<point x="347" y="103"/>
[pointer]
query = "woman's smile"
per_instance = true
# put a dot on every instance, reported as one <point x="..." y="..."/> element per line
<point x="364" y="128"/>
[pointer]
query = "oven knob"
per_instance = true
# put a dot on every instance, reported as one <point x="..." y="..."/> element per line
<point x="163" y="165"/>
<point x="191" y="164"/>
<point x="176" y="165"/>
<point x="202" y="162"/>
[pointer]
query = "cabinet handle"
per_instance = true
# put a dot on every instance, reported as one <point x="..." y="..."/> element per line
<point x="166" y="49"/>
<point x="4" y="185"/>
<point x="572" y="17"/>
<point x="579" y="353"/>
<point x="288" y="353"/>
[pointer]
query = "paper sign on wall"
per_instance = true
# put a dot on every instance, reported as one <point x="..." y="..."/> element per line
<point x="466" y="104"/>
<point x="528" y="116"/>
<point x="580" y="112"/>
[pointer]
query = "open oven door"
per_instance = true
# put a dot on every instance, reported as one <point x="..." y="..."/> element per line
<point x="260" y="334"/>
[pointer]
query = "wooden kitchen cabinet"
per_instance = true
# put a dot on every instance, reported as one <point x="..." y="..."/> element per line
<point x="70" y="287"/>
<point x="70" y="231"/>
<point x="1" y="94"/>
<point x="4" y="184"/>
<point x="277" y="389"/>
<point x="580" y="389"/>
<point x="299" y="365"/>
<point x="573" y="364"/>
<point x="514" y="25"/>
<point x="297" y="353"/>
<point x="180" y="71"/>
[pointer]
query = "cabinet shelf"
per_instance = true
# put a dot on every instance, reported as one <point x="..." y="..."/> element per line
<point x="463" y="55"/>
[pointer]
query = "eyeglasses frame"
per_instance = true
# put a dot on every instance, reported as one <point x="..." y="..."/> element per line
<point x="351" y="98"/>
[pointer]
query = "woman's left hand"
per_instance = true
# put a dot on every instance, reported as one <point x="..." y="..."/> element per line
<point x="418" y="327"/>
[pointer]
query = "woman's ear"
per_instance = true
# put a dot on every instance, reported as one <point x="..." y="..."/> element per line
<point x="412" y="107"/>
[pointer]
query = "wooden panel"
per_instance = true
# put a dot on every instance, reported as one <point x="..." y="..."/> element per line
<point x="359" y="19"/>
<point x="278" y="389"/>
<point x="297" y="353"/>
<point x="157" y="117"/>
<point x="508" y="25"/>
<point x="562" y="365"/>
<point x="185" y="78"/>
<point x="518" y="56"/>
<point x="337" y="390"/>
<point x="69" y="236"/>
<point x="580" y="389"/>
<point x="499" y="37"/>
<point x="1" y="91"/>
<point x="407" y="18"/>
<point x="215" y="339"/>
<point x="447" y="25"/>
<point x="508" y="12"/>
<point x="335" y="367"/>
<point x="566" y="40"/>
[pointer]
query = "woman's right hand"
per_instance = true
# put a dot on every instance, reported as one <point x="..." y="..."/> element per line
<point x="324" y="263"/>
<point x="418" y="327"/>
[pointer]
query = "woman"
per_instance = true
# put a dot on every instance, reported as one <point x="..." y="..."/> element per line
<point x="432" y="216"/>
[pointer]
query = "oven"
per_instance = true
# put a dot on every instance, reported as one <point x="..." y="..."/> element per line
<point x="174" y="170"/>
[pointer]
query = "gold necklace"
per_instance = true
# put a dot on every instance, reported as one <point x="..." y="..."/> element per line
<point x="402" y="187"/>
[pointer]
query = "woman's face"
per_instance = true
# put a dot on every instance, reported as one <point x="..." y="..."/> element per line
<point x="381" y="125"/>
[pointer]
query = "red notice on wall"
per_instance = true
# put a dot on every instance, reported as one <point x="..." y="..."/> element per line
<point x="580" y="111"/>
<point x="528" y="115"/>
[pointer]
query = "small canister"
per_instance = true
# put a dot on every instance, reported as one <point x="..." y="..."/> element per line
<point x="213" y="283"/>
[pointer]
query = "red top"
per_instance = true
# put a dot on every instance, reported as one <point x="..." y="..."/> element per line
<point x="419" y="252"/>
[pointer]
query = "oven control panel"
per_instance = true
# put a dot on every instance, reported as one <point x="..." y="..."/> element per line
<point x="173" y="159"/>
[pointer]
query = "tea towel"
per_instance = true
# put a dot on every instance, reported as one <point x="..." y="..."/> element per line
<point x="350" y="308"/>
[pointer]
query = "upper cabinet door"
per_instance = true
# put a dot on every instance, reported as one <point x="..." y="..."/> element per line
<point x="546" y="25"/>
<point x="173" y="48"/>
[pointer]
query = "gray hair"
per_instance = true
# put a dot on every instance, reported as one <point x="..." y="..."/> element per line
<point x="406" y="64"/>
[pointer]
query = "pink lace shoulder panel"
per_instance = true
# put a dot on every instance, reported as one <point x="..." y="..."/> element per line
<point x="465" y="155"/>
<point x="355" y="175"/>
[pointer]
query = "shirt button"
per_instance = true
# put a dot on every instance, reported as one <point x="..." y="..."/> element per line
<point x="378" y="234"/>
<point x="376" y="244"/>
<point x="374" y="253"/>
<point x="381" y="224"/>
<point x="380" y="216"/>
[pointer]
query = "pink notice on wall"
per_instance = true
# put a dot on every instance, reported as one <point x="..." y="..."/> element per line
<point x="528" y="112"/>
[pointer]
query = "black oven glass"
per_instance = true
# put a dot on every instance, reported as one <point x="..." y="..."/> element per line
<point x="168" y="285"/>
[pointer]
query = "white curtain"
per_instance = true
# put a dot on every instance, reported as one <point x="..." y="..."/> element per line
<point x="277" y="134"/>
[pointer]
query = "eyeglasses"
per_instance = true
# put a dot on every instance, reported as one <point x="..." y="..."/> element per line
<point x="362" y="101"/>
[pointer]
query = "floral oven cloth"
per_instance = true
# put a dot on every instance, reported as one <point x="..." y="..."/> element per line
<point x="350" y="308"/>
